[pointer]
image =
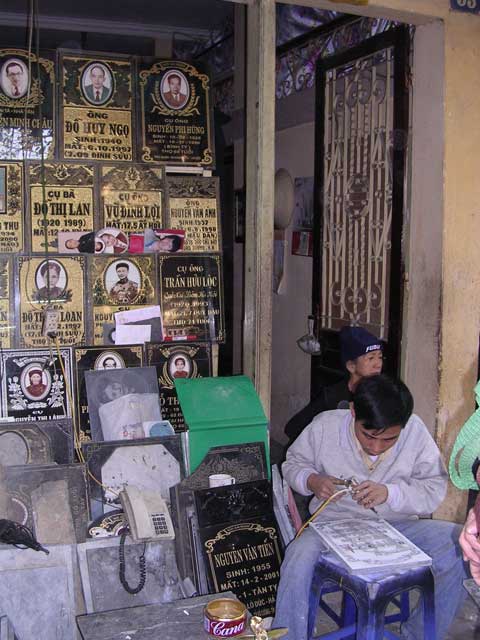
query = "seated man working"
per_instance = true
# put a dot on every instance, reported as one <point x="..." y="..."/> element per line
<point x="401" y="477"/>
<point x="361" y="355"/>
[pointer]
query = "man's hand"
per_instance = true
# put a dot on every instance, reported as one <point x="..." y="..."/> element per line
<point x="370" y="494"/>
<point x="322" y="486"/>
<point x="471" y="545"/>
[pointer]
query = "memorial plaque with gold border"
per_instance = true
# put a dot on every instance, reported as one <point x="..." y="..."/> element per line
<point x="194" y="207"/>
<point x="58" y="282"/>
<point x="11" y="207"/>
<point x="96" y="107"/>
<point x="27" y="105"/>
<point x="133" y="198"/>
<point x="191" y="296"/>
<point x="99" y="359"/>
<point x="175" y="113"/>
<point x="33" y="384"/>
<point x="116" y="287"/>
<point x="172" y="361"/>
<point x="7" y="317"/>
<point x="64" y="202"/>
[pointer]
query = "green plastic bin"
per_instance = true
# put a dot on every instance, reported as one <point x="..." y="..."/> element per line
<point x="221" y="411"/>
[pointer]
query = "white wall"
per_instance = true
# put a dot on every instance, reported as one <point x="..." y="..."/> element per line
<point x="294" y="151"/>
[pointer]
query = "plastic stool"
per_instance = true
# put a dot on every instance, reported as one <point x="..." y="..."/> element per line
<point x="371" y="594"/>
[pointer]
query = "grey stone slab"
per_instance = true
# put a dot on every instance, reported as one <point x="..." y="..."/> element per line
<point x="37" y="592"/>
<point x="22" y="486"/>
<point x="32" y="442"/>
<point x="99" y="569"/>
<point x="155" y="464"/>
<point x="181" y="620"/>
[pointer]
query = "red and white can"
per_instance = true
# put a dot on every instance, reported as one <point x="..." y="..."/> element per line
<point x="225" y="618"/>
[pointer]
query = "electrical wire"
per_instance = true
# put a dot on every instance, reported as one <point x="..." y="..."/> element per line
<point x="324" y="504"/>
<point x="76" y="429"/>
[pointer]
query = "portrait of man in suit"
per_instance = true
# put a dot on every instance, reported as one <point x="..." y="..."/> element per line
<point x="97" y="83"/>
<point x="172" y="93"/>
<point x="14" y="78"/>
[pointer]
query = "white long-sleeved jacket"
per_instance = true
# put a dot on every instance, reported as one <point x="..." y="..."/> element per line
<point x="413" y="471"/>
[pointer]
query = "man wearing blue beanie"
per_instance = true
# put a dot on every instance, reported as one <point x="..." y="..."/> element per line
<point x="361" y="355"/>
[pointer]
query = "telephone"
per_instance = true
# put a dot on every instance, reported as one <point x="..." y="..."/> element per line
<point x="147" y="514"/>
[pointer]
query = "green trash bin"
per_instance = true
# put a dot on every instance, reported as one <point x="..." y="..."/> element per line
<point x="221" y="411"/>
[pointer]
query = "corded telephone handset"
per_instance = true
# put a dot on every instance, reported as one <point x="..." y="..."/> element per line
<point x="147" y="514"/>
<point x="148" y="518"/>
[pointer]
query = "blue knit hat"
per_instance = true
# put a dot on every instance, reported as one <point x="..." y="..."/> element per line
<point x="356" y="342"/>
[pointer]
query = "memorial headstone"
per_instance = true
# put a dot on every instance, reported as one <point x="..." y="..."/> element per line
<point x="241" y="543"/>
<point x="245" y="462"/>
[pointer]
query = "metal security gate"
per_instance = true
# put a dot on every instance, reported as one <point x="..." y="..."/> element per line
<point x="360" y="141"/>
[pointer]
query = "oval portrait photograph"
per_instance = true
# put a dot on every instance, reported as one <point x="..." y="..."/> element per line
<point x="123" y="282"/>
<point x="35" y="382"/>
<point x="97" y="83"/>
<point x="109" y="360"/>
<point x="50" y="280"/>
<point x="175" y="89"/>
<point x="179" y="366"/>
<point x="14" y="78"/>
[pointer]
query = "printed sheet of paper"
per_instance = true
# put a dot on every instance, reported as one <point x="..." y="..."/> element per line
<point x="370" y="546"/>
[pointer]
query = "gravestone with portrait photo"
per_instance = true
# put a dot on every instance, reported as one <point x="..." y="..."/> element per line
<point x="33" y="384"/>
<point x="96" y="107"/>
<point x="122" y="403"/>
<point x="11" y="207"/>
<point x="175" y="361"/>
<point x="55" y="281"/>
<point x="27" y="105"/>
<point x="119" y="284"/>
<point x="99" y="359"/>
<point x="176" y="113"/>
<point x="59" y="192"/>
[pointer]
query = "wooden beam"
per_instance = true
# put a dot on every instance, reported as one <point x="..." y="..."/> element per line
<point x="260" y="162"/>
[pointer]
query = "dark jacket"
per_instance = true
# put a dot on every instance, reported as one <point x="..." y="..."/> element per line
<point x="329" y="398"/>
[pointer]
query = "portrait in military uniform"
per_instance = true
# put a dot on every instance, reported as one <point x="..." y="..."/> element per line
<point x="122" y="282"/>
<point x="14" y="78"/>
<point x="51" y="281"/>
<point x="175" y="89"/>
<point x="97" y="83"/>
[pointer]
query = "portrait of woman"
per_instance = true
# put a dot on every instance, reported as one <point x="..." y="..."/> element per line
<point x="180" y="366"/>
<point x="35" y="382"/>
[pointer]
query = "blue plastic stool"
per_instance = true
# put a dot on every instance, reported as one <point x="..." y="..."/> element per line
<point x="368" y="597"/>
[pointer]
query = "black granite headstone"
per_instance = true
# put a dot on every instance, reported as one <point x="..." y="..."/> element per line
<point x="241" y="542"/>
<point x="245" y="462"/>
